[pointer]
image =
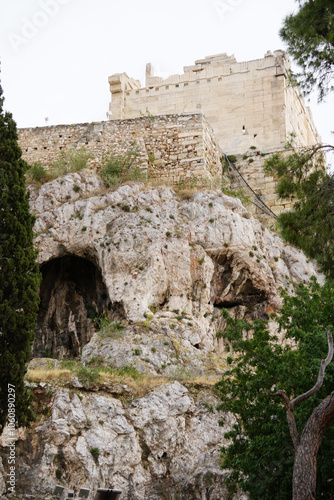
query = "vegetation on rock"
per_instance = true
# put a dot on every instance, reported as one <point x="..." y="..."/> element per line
<point x="117" y="168"/>
<point x="69" y="161"/>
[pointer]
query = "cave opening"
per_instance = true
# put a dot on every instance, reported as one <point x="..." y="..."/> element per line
<point x="73" y="295"/>
<point x="230" y="289"/>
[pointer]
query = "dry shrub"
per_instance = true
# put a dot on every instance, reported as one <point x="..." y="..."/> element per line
<point x="45" y="374"/>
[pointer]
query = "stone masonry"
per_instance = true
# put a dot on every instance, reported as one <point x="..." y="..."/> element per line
<point x="250" y="105"/>
<point x="247" y="103"/>
<point x="181" y="125"/>
<point x="172" y="149"/>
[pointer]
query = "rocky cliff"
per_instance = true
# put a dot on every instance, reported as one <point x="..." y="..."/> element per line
<point x="134" y="279"/>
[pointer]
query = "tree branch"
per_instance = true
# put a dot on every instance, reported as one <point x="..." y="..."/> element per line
<point x="282" y="395"/>
<point x="323" y="365"/>
<point x="290" y="405"/>
<point x="290" y="416"/>
<point x="312" y="151"/>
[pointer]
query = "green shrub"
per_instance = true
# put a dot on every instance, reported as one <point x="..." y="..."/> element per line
<point x="78" y="215"/>
<point x="95" y="451"/>
<point x="129" y="370"/>
<point x="151" y="158"/>
<point x="117" y="168"/>
<point x="68" y="364"/>
<point x="88" y="375"/>
<point x="69" y="161"/>
<point x="36" y="172"/>
<point x="109" y="328"/>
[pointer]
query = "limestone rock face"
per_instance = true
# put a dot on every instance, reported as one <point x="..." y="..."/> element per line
<point x="155" y="260"/>
<point x="137" y="278"/>
<point x="165" y="445"/>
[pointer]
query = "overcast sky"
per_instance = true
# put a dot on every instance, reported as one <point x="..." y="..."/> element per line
<point x="56" y="55"/>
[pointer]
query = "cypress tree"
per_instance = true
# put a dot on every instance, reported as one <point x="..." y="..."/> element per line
<point x="19" y="273"/>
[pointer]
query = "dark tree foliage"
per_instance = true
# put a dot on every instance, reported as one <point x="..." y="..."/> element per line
<point x="310" y="223"/>
<point x="309" y="35"/>
<point x="19" y="273"/>
<point x="260" y="456"/>
<point x="302" y="177"/>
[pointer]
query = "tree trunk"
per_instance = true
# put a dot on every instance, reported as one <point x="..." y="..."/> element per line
<point x="305" y="464"/>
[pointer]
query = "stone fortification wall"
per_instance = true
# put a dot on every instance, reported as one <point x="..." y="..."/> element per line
<point x="298" y="118"/>
<point x="247" y="103"/>
<point x="173" y="148"/>
<point x="181" y="125"/>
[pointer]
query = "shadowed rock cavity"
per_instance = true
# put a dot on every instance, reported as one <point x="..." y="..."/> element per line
<point x="232" y="287"/>
<point x="72" y="295"/>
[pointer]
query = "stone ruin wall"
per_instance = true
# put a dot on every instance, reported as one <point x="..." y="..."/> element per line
<point x="247" y="103"/>
<point x="182" y="124"/>
<point x="172" y="149"/>
<point x="250" y="105"/>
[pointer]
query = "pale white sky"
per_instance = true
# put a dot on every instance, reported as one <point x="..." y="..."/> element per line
<point x="56" y="55"/>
